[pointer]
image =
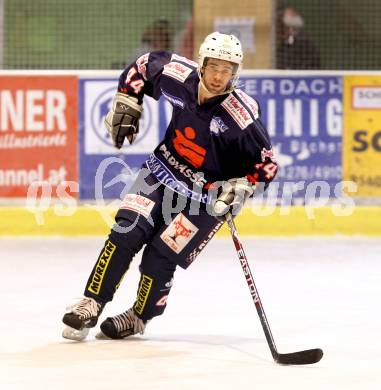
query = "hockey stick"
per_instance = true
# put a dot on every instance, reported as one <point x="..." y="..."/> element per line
<point x="309" y="356"/>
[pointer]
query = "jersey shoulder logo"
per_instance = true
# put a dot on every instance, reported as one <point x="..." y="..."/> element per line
<point x="176" y="57"/>
<point x="237" y="111"/>
<point x="250" y="103"/>
<point x="177" y="71"/>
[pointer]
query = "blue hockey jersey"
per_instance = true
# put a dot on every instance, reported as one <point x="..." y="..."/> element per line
<point x="221" y="139"/>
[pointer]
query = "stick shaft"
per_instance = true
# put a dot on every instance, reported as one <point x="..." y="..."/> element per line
<point x="252" y="287"/>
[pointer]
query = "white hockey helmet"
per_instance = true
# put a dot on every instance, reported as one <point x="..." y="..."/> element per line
<point x="224" y="47"/>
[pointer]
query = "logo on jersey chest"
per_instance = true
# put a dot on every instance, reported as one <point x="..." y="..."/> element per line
<point x="191" y="152"/>
<point x="194" y="177"/>
<point x="217" y="126"/>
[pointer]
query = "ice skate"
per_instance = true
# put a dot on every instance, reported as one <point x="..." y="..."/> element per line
<point x="121" y="326"/>
<point x="80" y="317"/>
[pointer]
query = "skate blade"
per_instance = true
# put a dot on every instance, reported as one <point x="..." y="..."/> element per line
<point x="75" y="334"/>
<point x="101" y="336"/>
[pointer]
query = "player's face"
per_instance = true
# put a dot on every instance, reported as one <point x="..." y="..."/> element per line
<point x="217" y="74"/>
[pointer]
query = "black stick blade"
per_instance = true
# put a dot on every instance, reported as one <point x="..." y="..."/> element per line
<point x="309" y="356"/>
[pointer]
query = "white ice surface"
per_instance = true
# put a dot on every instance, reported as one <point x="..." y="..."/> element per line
<point x="317" y="292"/>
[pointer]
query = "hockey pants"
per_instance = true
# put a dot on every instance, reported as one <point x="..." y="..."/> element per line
<point x="167" y="243"/>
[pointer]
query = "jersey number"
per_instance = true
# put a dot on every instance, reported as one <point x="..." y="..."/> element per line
<point x="136" y="85"/>
<point x="270" y="169"/>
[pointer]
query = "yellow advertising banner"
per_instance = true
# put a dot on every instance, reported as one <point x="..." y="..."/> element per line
<point x="362" y="133"/>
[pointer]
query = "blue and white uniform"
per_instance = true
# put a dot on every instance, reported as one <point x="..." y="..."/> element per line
<point x="221" y="139"/>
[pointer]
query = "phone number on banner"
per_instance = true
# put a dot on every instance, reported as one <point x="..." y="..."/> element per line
<point x="364" y="180"/>
<point x="316" y="172"/>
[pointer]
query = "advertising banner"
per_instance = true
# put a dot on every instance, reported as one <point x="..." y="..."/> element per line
<point x="302" y="114"/>
<point x="304" y="118"/>
<point x="38" y="132"/>
<point x="104" y="170"/>
<point x="362" y="147"/>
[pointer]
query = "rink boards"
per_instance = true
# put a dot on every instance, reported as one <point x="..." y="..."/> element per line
<point x="296" y="221"/>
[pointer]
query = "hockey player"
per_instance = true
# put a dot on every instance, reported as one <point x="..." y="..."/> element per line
<point x="215" y="136"/>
